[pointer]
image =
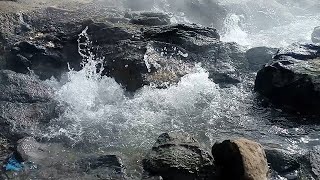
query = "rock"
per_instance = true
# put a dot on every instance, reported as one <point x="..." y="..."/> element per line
<point x="315" y="37"/>
<point x="284" y="163"/>
<point x="25" y="102"/>
<point x="315" y="161"/>
<point x="103" y="167"/>
<point x="150" y="19"/>
<point x="259" y="56"/>
<point x="146" y="52"/>
<point x="30" y="150"/>
<point x="291" y="80"/>
<point x="15" y="87"/>
<point x="240" y="159"/>
<point x="179" y="156"/>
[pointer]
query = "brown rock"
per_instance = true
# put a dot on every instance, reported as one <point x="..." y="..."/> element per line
<point x="240" y="159"/>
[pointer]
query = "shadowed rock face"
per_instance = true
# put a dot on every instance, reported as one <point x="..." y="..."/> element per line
<point x="240" y="159"/>
<point x="292" y="79"/>
<point x="179" y="156"/>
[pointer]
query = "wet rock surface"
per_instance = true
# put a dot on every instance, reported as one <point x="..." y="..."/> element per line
<point x="315" y="37"/>
<point x="24" y="102"/>
<point x="240" y="159"/>
<point x="135" y="54"/>
<point x="292" y="79"/>
<point x="259" y="56"/>
<point x="179" y="156"/>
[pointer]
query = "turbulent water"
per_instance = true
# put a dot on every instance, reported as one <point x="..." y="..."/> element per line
<point x="101" y="116"/>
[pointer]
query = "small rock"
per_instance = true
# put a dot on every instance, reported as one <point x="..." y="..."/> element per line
<point x="179" y="156"/>
<point x="284" y="163"/>
<point x="315" y="37"/>
<point x="240" y="159"/>
<point x="259" y="56"/>
<point x="104" y="167"/>
<point x="151" y="19"/>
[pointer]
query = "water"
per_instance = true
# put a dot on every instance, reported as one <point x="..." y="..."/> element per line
<point x="101" y="116"/>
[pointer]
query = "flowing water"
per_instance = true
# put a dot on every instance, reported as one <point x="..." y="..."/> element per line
<point x="102" y="117"/>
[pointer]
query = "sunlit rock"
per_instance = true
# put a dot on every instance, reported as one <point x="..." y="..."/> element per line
<point x="240" y="159"/>
<point x="179" y="156"/>
<point x="291" y="80"/>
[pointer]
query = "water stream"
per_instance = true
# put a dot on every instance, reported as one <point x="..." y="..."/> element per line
<point x="101" y="116"/>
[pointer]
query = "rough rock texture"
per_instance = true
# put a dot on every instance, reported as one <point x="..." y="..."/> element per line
<point x="315" y="37"/>
<point x="24" y="102"/>
<point x="240" y="159"/>
<point x="103" y="167"/>
<point x="179" y="156"/>
<point x="259" y="56"/>
<point x="315" y="161"/>
<point x="291" y="80"/>
<point x="146" y="51"/>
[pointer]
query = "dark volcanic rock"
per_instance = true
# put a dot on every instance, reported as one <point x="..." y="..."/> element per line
<point x="315" y="37"/>
<point x="240" y="159"/>
<point x="284" y="163"/>
<point x="292" y="79"/>
<point x="179" y="156"/>
<point x="259" y="56"/>
<point x="146" y="51"/>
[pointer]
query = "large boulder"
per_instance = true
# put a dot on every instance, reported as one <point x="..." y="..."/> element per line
<point x="240" y="159"/>
<point x="179" y="156"/>
<point x="315" y="37"/>
<point x="291" y="80"/>
<point x="25" y="102"/>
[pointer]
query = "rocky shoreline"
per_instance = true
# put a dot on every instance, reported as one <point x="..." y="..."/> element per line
<point x="43" y="40"/>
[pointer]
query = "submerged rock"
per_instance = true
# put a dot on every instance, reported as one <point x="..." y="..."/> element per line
<point x="103" y="167"/>
<point x="240" y="159"/>
<point x="179" y="156"/>
<point x="315" y="37"/>
<point x="291" y="80"/>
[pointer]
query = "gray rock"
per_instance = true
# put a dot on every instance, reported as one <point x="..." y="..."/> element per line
<point x="25" y="102"/>
<point x="150" y="19"/>
<point x="179" y="156"/>
<point x="315" y="161"/>
<point x="240" y="159"/>
<point x="259" y="56"/>
<point x="315" y="37"/>
<point x="284" y="163"/>
<point x="103" y="167"/>
<point x="15" y="87"/>
<point x="291" y="80"/>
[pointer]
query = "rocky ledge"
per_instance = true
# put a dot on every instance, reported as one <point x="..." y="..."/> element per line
<point x="291" y="79"/>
